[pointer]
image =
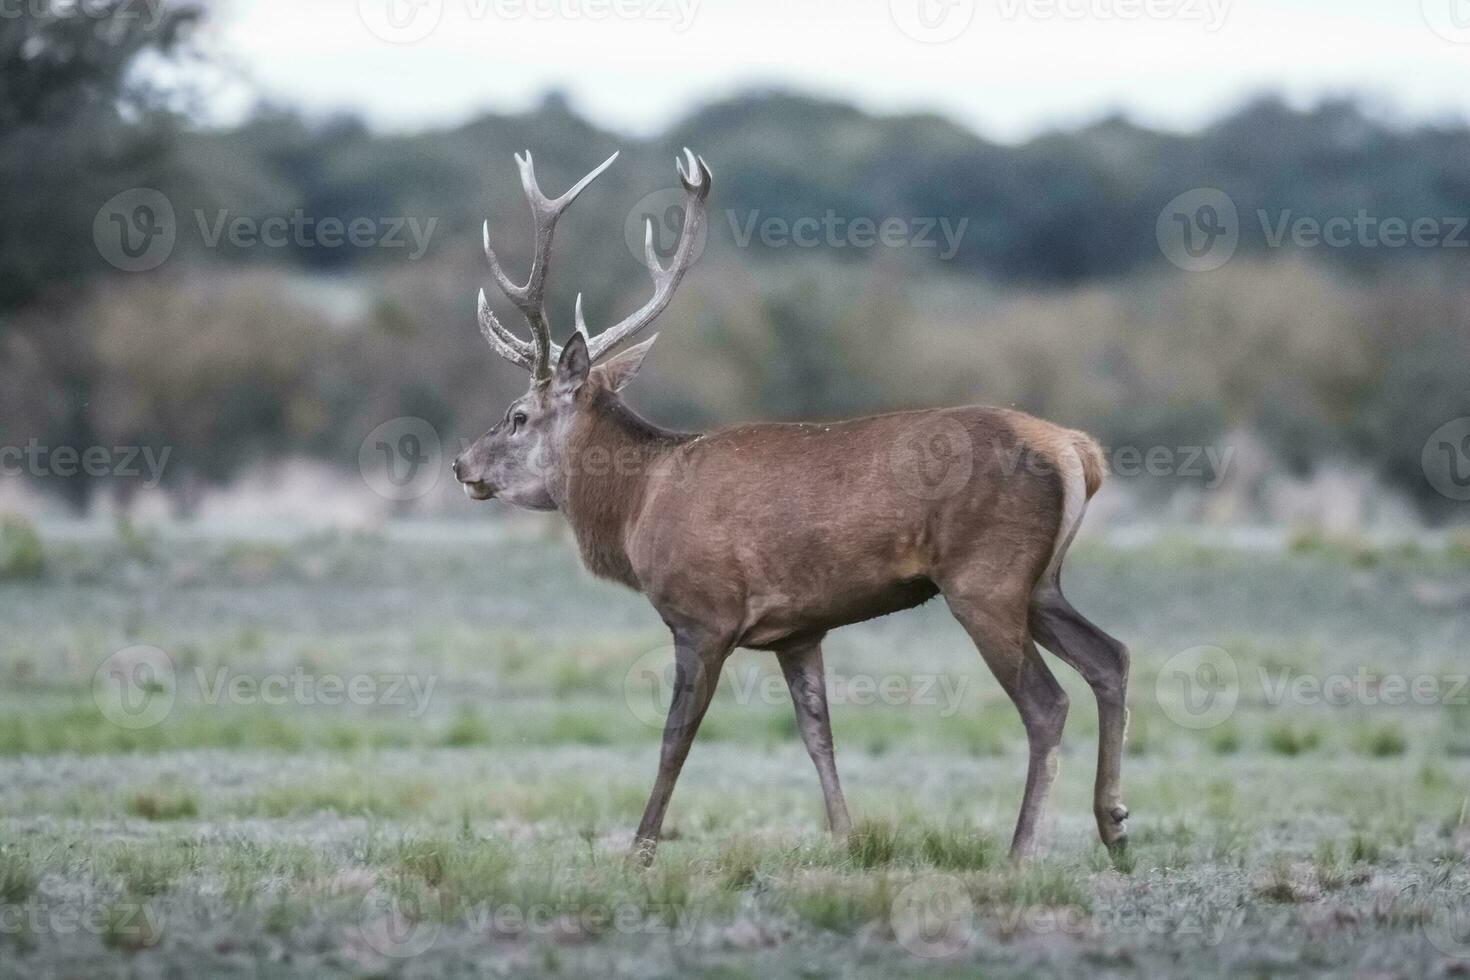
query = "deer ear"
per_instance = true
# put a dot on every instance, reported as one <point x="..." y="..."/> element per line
<point x="621" y="369"/>
<point x="573" y="367"/>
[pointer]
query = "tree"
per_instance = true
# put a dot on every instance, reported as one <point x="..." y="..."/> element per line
<point x="76" y="117"/>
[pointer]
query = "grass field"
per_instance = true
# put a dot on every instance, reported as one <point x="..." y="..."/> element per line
<point x="423" y="753"/>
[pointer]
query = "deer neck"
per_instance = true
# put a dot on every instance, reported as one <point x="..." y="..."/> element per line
<point x="609" y="455"/>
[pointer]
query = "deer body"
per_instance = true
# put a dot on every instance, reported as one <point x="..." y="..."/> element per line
<point x="808" y="530"/>
<point x="767" y="536"/>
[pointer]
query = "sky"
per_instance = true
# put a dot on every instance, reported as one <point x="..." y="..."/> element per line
<point x="1004" y="68"/>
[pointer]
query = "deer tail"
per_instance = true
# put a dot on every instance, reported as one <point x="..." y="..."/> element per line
<point x="1093" y="464"/>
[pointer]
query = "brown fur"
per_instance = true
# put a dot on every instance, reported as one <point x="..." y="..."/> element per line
<point x="1093" y="464"/>
<point x="808" y="529"/>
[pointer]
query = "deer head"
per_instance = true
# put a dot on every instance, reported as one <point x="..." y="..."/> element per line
<point x="520" y="459"/>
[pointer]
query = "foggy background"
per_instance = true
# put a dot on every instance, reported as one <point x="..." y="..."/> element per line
<point x="239" y="243"/>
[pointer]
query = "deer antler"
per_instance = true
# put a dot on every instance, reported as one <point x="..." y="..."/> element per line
<point x="536" y="356"/>
<point x="530" y="298"/>
<point x="695" y="176"/>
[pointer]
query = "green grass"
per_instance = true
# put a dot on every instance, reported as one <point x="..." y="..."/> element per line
<point x="17" y="876"/>
<point x="164" y="803"/>
<point x="1299" y="839"/>
<point x="958" y="849"/>
<point x="838" y="903"/>
<point x="1384" y="741"/>
<point x="1288" y="739"/>
<point x="149" y="870"/>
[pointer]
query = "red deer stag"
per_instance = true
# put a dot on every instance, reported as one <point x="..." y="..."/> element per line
<point x="767" y="536"/>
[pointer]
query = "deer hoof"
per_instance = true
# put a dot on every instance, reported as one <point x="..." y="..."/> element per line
<point x="1112" y="828"/>
<point x="642" y="852"/>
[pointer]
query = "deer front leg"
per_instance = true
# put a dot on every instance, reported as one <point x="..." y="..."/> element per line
<point x="696" y="675"/>
<point x="807" y="680"/>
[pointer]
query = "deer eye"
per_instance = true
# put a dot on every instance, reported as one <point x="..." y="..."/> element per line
<point x="517" y="420"/>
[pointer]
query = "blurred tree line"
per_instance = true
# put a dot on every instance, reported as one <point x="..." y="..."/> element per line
<point x="1055" y="297"/>
<point x="77" y="124"/>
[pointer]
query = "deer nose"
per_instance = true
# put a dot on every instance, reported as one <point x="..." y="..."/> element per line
<point x="454" y="467"/>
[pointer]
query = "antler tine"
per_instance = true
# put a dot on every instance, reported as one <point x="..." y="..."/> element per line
<point x="530" y="298"/>
<point x="650" y="255"/>
<point x="695" y="176"/>
<point x="504" y="343"/>
<point x="580" y="322"/>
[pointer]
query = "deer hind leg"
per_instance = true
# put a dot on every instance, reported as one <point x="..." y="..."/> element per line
<point x="1103" y="663"/>
<point x="697" y="666"/>
<point x="807" y="681"/>
<point x="999" y="630"/>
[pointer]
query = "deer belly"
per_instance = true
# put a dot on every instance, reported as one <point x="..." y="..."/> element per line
<point x="814" y="601"/>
